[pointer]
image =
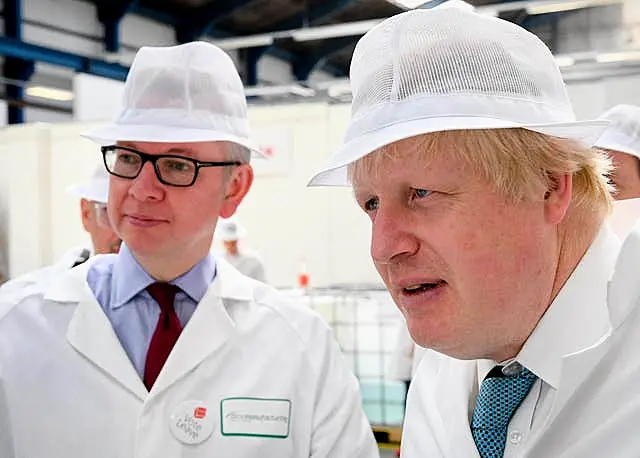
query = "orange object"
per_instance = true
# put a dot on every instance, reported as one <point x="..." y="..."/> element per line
<point x="303" y="280"/>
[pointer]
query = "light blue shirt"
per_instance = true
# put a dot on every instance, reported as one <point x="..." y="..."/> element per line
<point x="119" y="284"/>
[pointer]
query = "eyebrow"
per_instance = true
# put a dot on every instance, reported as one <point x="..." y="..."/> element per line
<point x="176" y="150"/>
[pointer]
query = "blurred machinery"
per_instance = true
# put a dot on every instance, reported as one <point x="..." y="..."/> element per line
<point x="365" y="321"/>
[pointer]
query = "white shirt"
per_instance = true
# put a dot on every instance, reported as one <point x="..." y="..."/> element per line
<point x="252" y="375"/>
<point x="586" y="402"/>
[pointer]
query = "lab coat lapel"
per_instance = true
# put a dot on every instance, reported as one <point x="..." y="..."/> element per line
<point x="624" y="289"/>
<point x="91" y="333"/>
<point x="456" y="378"/>
<point x="209" y="328"/>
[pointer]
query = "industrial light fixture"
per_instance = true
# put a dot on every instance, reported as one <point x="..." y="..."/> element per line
<point x="334" y="31"/>
<point x="409" y="4"/>
<point x="555" y="6"/>
<point x="285" y="89"/>
<point x="624" y="56"/>
<point x="565" y="61"/>
<point x="248" y="41"/>
<point x="50" y="93"/>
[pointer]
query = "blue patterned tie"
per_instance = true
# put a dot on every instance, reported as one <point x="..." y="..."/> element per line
<point x="498" y="399"/>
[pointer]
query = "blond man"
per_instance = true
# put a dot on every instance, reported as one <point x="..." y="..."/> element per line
<point x="487" y="206"/>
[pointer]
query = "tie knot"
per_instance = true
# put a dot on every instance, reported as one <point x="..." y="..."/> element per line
<point x="164" y="294"/>
<point x="499" y="397"/>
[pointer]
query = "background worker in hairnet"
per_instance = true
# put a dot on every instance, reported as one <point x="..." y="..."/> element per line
<point x="93" y="211"/>
<point x="163" y="350"/>
<point x="621" y="141"/>
<point x="229" y="232"/>
<point x="487" y="207"/>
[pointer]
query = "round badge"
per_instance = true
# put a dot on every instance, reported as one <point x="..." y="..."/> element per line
<point x="192" y="422"/>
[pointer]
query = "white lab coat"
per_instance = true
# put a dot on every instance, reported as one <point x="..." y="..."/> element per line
<point x="40" y="278"/>
<point x="588" y="340"/>
<point x="68" y="389"/>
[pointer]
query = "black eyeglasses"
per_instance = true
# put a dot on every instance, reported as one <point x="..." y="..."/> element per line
<point x="171" y="170"/>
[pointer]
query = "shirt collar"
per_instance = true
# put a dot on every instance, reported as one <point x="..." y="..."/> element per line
<point x="582" y="299"/>
<point x="130" y="278"/>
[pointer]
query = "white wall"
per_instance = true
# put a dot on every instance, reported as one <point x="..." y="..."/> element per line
<point x="96" y="98"/>
<point x="592" y="98"/>
<point x="288" y="222"/>
<point x="24" y="189"/>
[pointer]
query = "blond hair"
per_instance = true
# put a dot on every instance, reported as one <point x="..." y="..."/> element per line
<point x="520" y="164"/>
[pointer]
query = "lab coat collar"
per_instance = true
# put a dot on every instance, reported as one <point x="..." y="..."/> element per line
<point x="624" y="291"/>
<point x="208" y="330"/>
<point x="90" y="332"/>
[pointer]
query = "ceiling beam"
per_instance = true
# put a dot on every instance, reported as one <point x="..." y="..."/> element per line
<point x="317" y="13"/>
<point x="303" y="66"/>
<point x="200" y="21"/>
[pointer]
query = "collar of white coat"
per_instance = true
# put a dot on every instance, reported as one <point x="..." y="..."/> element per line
<point x="73" y="286"/>
<point x="577" y="319"/>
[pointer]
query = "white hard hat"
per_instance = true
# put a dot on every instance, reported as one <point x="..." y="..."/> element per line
<point x="431" y="70"/>
<point x="96" y="190"/>
<point x="180" y="94"/>
<point x="229" y="230"/>
<point x="623" y="134"/>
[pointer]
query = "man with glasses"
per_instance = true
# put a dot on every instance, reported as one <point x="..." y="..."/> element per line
<point x="164" y="350"/>
<point x="93" y="211"/>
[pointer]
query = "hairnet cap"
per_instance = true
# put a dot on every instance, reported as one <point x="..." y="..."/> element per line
<point x="229" y="230"/>
<point x="96" y="190"/>
<point x="623" y="133"/>
<point x="180" y="94"/>
<point x="432" y="70"/>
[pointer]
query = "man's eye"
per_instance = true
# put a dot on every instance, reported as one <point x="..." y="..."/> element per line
<point x="421" y="193"/>
<point x="371" y="204"/>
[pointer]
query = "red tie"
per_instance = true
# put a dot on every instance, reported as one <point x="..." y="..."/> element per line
<point x="166" y="333"/>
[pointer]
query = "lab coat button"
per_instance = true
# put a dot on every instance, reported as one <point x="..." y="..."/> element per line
<point x="515" y="437"/>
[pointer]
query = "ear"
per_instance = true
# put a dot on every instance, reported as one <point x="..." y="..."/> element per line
<point x="86" y="212"/>
<point x="237" y="187"/>
<point x="558" y="198"/>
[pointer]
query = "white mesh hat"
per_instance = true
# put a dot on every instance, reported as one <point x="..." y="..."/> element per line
<point x="96" y="190"/>
<point x="623" y="134"/>
<point x="229" y="230"/>
<point x="185" y="93"/>
<point x="443" y="69"/>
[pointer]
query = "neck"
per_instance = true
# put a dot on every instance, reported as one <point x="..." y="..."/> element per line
<point x="168" y="268"/>
<point x="575" y="236"/>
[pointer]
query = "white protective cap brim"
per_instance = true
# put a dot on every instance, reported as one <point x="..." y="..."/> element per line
<point x="607" y="142"/>
<point x="335" y="171"/>
<point x="97" y="192"/>
<point x="111" y="133"/>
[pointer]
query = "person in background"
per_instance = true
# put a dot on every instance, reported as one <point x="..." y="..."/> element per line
<point x="229" y="231"/>
<point x="164" y="350"/>
<point x="488" y="205"/>
<point x="621" y="140"/>
<point x="93" y="211"/>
